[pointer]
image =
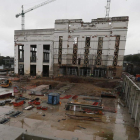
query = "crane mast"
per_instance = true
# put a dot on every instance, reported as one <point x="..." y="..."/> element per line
<point x="108" y="8"/>
<point x="22" y="14"/>
<point x="22" y="19"/>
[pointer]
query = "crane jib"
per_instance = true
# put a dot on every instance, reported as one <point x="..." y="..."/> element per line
<point x="24" y="12"/>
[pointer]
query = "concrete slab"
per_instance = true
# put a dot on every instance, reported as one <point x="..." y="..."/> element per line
<point x="10" y="132"/>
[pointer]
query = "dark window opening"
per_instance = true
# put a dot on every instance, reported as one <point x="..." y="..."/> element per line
<point x="33" y="53"/>
<point x="72" y="71"/>
<point x="46" y="53"/>
<point x="85" y="71"/>
<point x="21" y="53"/>
<point x="99" y="72"/>
<point x="62" y="71"/>
<point x="75" y="48"/>
<point x="46" y="47"/>
<point x="21" y="69"/>
<point x="33" y="70"/>
<point x="79" y="61"/>
<point x="45" y="71"/>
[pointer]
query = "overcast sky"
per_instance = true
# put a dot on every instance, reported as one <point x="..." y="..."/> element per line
<point x="44" y="17"/>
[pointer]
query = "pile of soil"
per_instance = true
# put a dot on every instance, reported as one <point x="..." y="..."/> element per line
<point x="77" y="79"/>
<point x="107" y="84"/>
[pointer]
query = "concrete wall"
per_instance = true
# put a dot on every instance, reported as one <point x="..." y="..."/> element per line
<point x="77" y="28"/>
<point x="34" y="37"/>
<point x="132" y="99"/>
<point x="69" y="29"/>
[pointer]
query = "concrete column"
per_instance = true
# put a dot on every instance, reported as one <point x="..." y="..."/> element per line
<point x="137" y="117"/>
<point x="27" y="59"/>
<point x="39" y="62"/>
<point x="16" y="59"/>
<point x="51" y="60"/>
<point x="126" y="90"/>
<point x="127" y="95"/>
<point x="134" y="105"/>
<point x="132" y="99"/>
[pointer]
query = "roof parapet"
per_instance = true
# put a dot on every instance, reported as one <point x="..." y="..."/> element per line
<point x="60" y="21"/>
<point x="111" y="19"/>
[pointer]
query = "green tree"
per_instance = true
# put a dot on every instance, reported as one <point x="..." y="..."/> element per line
<point x="135" y="58"/>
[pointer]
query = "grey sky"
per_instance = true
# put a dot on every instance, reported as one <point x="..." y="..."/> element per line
<point x="44" y="17"/>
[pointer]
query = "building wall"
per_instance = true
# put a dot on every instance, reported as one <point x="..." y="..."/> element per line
<point x="110" y="30"/>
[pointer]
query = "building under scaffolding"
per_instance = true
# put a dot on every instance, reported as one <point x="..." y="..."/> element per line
<point x="73" y="47"/>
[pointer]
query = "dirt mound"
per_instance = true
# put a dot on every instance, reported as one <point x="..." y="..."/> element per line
<point x="76" y="79"/>
<point x="86" y="89"/>
<point x="107" y="84"/>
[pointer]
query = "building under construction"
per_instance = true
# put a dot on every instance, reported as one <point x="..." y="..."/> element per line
<point x="73" y="47"/>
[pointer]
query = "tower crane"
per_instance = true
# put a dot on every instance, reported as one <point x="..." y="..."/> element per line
<point x="22" y="14"/>
<point x="108" y="8"/>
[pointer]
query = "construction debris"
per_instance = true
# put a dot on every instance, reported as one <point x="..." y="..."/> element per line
<point x="66" y="97"/>
<point x="38" y="90"/>
<point x="16" y="114"/>
<point x="4" y="120"/>
<point x="17" y="104"/>
<point x="4" y="95"/>
<point x="28" y="107"/>
<point x="82" y="107"/>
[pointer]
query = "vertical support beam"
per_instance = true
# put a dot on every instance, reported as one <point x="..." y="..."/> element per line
<point x="51" y="60"/>
<point x="27" y="59"/>
<point x="134" y="105"/>
<point x="39" y="62"/>
<point x="75" y="48"/>
<point x="133" y="95"/>
<point x="16" y="59"/>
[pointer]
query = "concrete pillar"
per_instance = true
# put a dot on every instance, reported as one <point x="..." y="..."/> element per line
<point x="132" y="97"/>
<point x="137" y="117"/>
<point x="78" y="71"/>
<point x="137" y="121"/>
<point x="16" y="59"/>
<point x="51" y="60"/>
<point x="134" y="104"/>
<point x="39" y="62"/>
<point x="27" y="59"/>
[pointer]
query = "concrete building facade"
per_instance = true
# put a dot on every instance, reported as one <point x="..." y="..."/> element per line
<point x="73" y="47"/>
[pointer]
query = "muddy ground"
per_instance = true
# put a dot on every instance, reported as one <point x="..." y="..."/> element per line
<point x="55" y="123"/>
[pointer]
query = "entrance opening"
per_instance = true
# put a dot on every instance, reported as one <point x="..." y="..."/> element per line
<point x="62" y="71"/>
<point x="72" y="71"/>
<point x="21" y="69"/>
<point x="33" y="70"/>
<point x="99" y="72"/>
<point x="45" y="71"/>
<point x="85" y="71"/>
